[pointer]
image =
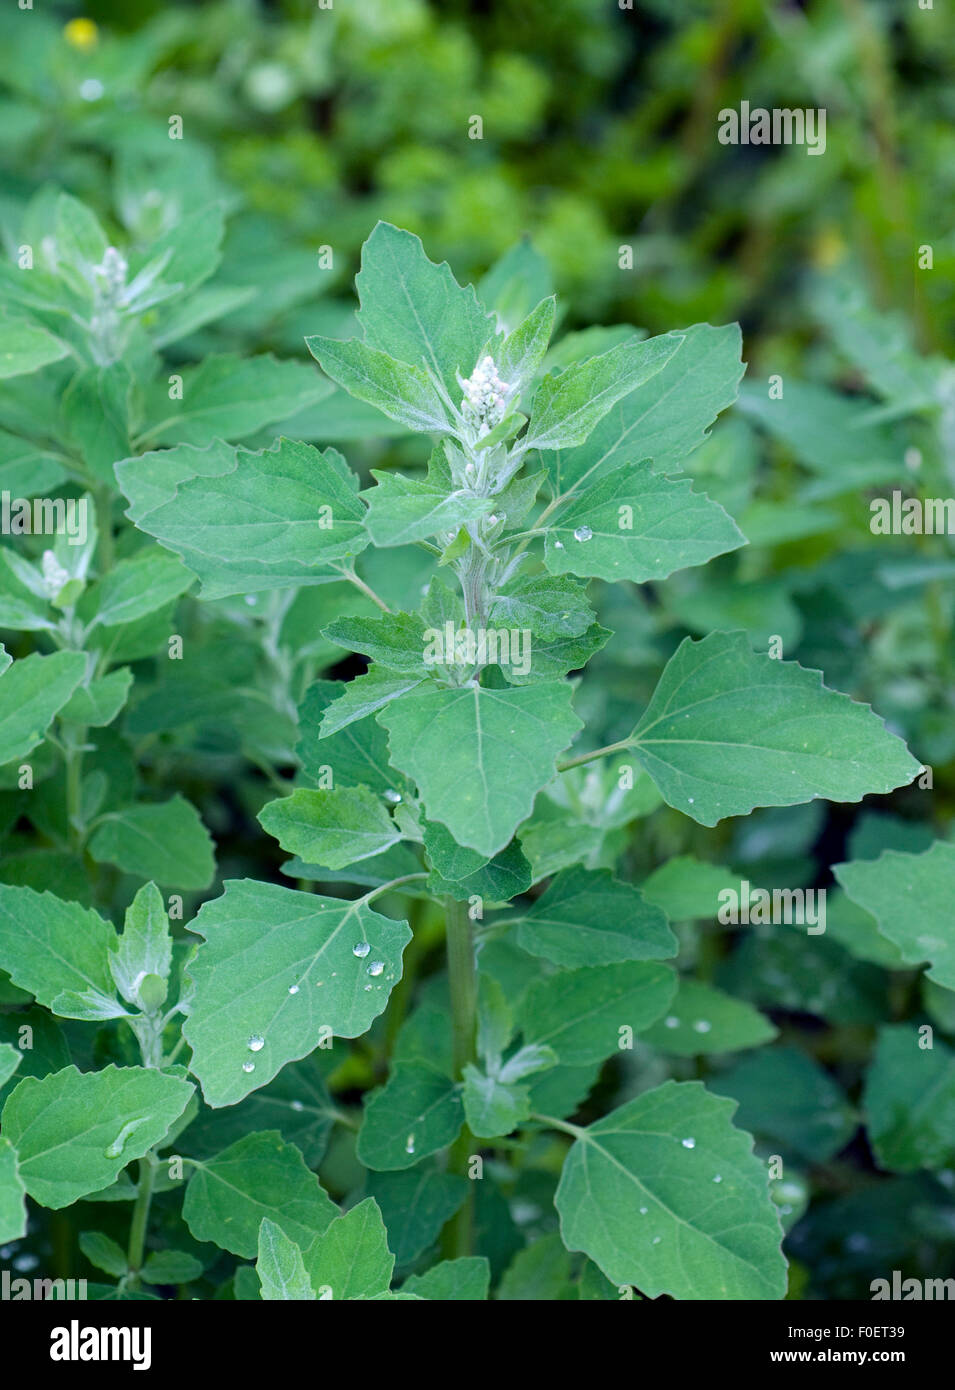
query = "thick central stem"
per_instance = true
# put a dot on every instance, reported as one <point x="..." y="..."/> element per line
<point x="463" y="982"/>
<point x="458" y="1234"/>
<point x="140" y="1221"/>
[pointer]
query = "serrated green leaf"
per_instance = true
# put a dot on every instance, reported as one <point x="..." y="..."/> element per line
<point x="258" y="1176"/>
<point x="278" y="517"/>
<point x="417" y="1113"/>
<point x="587" y="918"/>
<point x="27" y="347"/>
<point x="230" y="397"/>
<point x="98" y="703"/>
<point x="701" y="1019"/>
<point x="728" y="730"/>
<point x="480" y="756"/>
<point x="280" y="1266"/>
<point x="145" y="946"/>
<point x="365" y="695"/>
<point x="493" y="1107"/>
<point x="664" y="419"/>
<point x="104" y="1253"/>
<point x="639" y="525"/>
<point x="356" y="755"/>
<point x="910" y="896"/>
<point x="415" y="1205"/>
<point x="394" y="641"/>
<point x="48" y="946"/>
<point x="581" y="1013"/>
<point x="170" y="1267"/>
<point x="400" y="390"/>
<point x="351" y="1257"/>
<point x="465" y="1279"/>
<point x="32" y="691"/>
<point x="674" y="1230"/>
<point x="909" y="1101"/>
<point x="404" y="510"/>
<point x="276" y="968"/>
<point x="74" y="1131"/>
<point x="415" y="310"/>
<point x="138" y="586"/>
<point x="569" y="404"/>
<point x="336" y="827"/>
<point x="165" y="841"/>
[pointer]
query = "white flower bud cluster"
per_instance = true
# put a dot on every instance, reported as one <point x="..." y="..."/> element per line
<point x="113" y="269"/>
<point x="485" y="394"/>
<point x="54" y="575"/>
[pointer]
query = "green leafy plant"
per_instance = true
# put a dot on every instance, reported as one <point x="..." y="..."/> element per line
<point x="456" y="799"/>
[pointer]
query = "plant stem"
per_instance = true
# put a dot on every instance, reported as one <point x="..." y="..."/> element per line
<point x="104" y="525"/>
<point x="73" y="745"/>
<point x="597" y="753"/>
<point x="353" y="578"/>
<point x="563" y="1125"/>
<point x="458" y="1235"/>
<point x="137" y="1230"/>
<point x="463" y="981"/>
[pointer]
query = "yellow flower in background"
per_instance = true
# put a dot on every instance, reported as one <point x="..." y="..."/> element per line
<point x="828" y="249"/>
<point x="82" y="34"/>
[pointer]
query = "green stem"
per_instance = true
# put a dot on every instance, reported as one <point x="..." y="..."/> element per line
<point x="597" y="753"/>
<point x="137" y="1230"/>
<point x="462" y="976"/>
<point x="104" y="526"/>
<point x="73" y="745"/>
<point x="366" y="589"/>
<point x="458" y="1236"/>
<point x="564" y="1125"/>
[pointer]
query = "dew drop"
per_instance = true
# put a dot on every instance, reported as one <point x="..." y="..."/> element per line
<point x="558" y="545"/>
<point x="690" y="800"/>
<point x="248" y="1066"/>
<point x="91" y="89"/>
<point x="643" y="1211"/>
<point x="297" y="1105"/>
<point x="256" y="1043"/>
<point x="409" y="1144"/>
<point x="293" y="989"/>
<point x="717" y="1177"/>
<point x="672" y="1021"/>
<point x="376" y="967"/>
<point x="367" y="988"/>
<point x="689" y="1143"/>
<point x="360" y="949"/>
<point x="655" y="1240"/>
<point x="391" y="795"/>
<point x="702" y="1025"/>
<point x="583" y="533"/>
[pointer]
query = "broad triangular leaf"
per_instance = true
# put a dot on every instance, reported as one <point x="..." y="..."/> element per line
<point x="480" y="756"/>
<point x="666" y="1194"/>
<point x="74" y="1131"/>
<point x="728" y="730"/>
<point x="276" y="969"/>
